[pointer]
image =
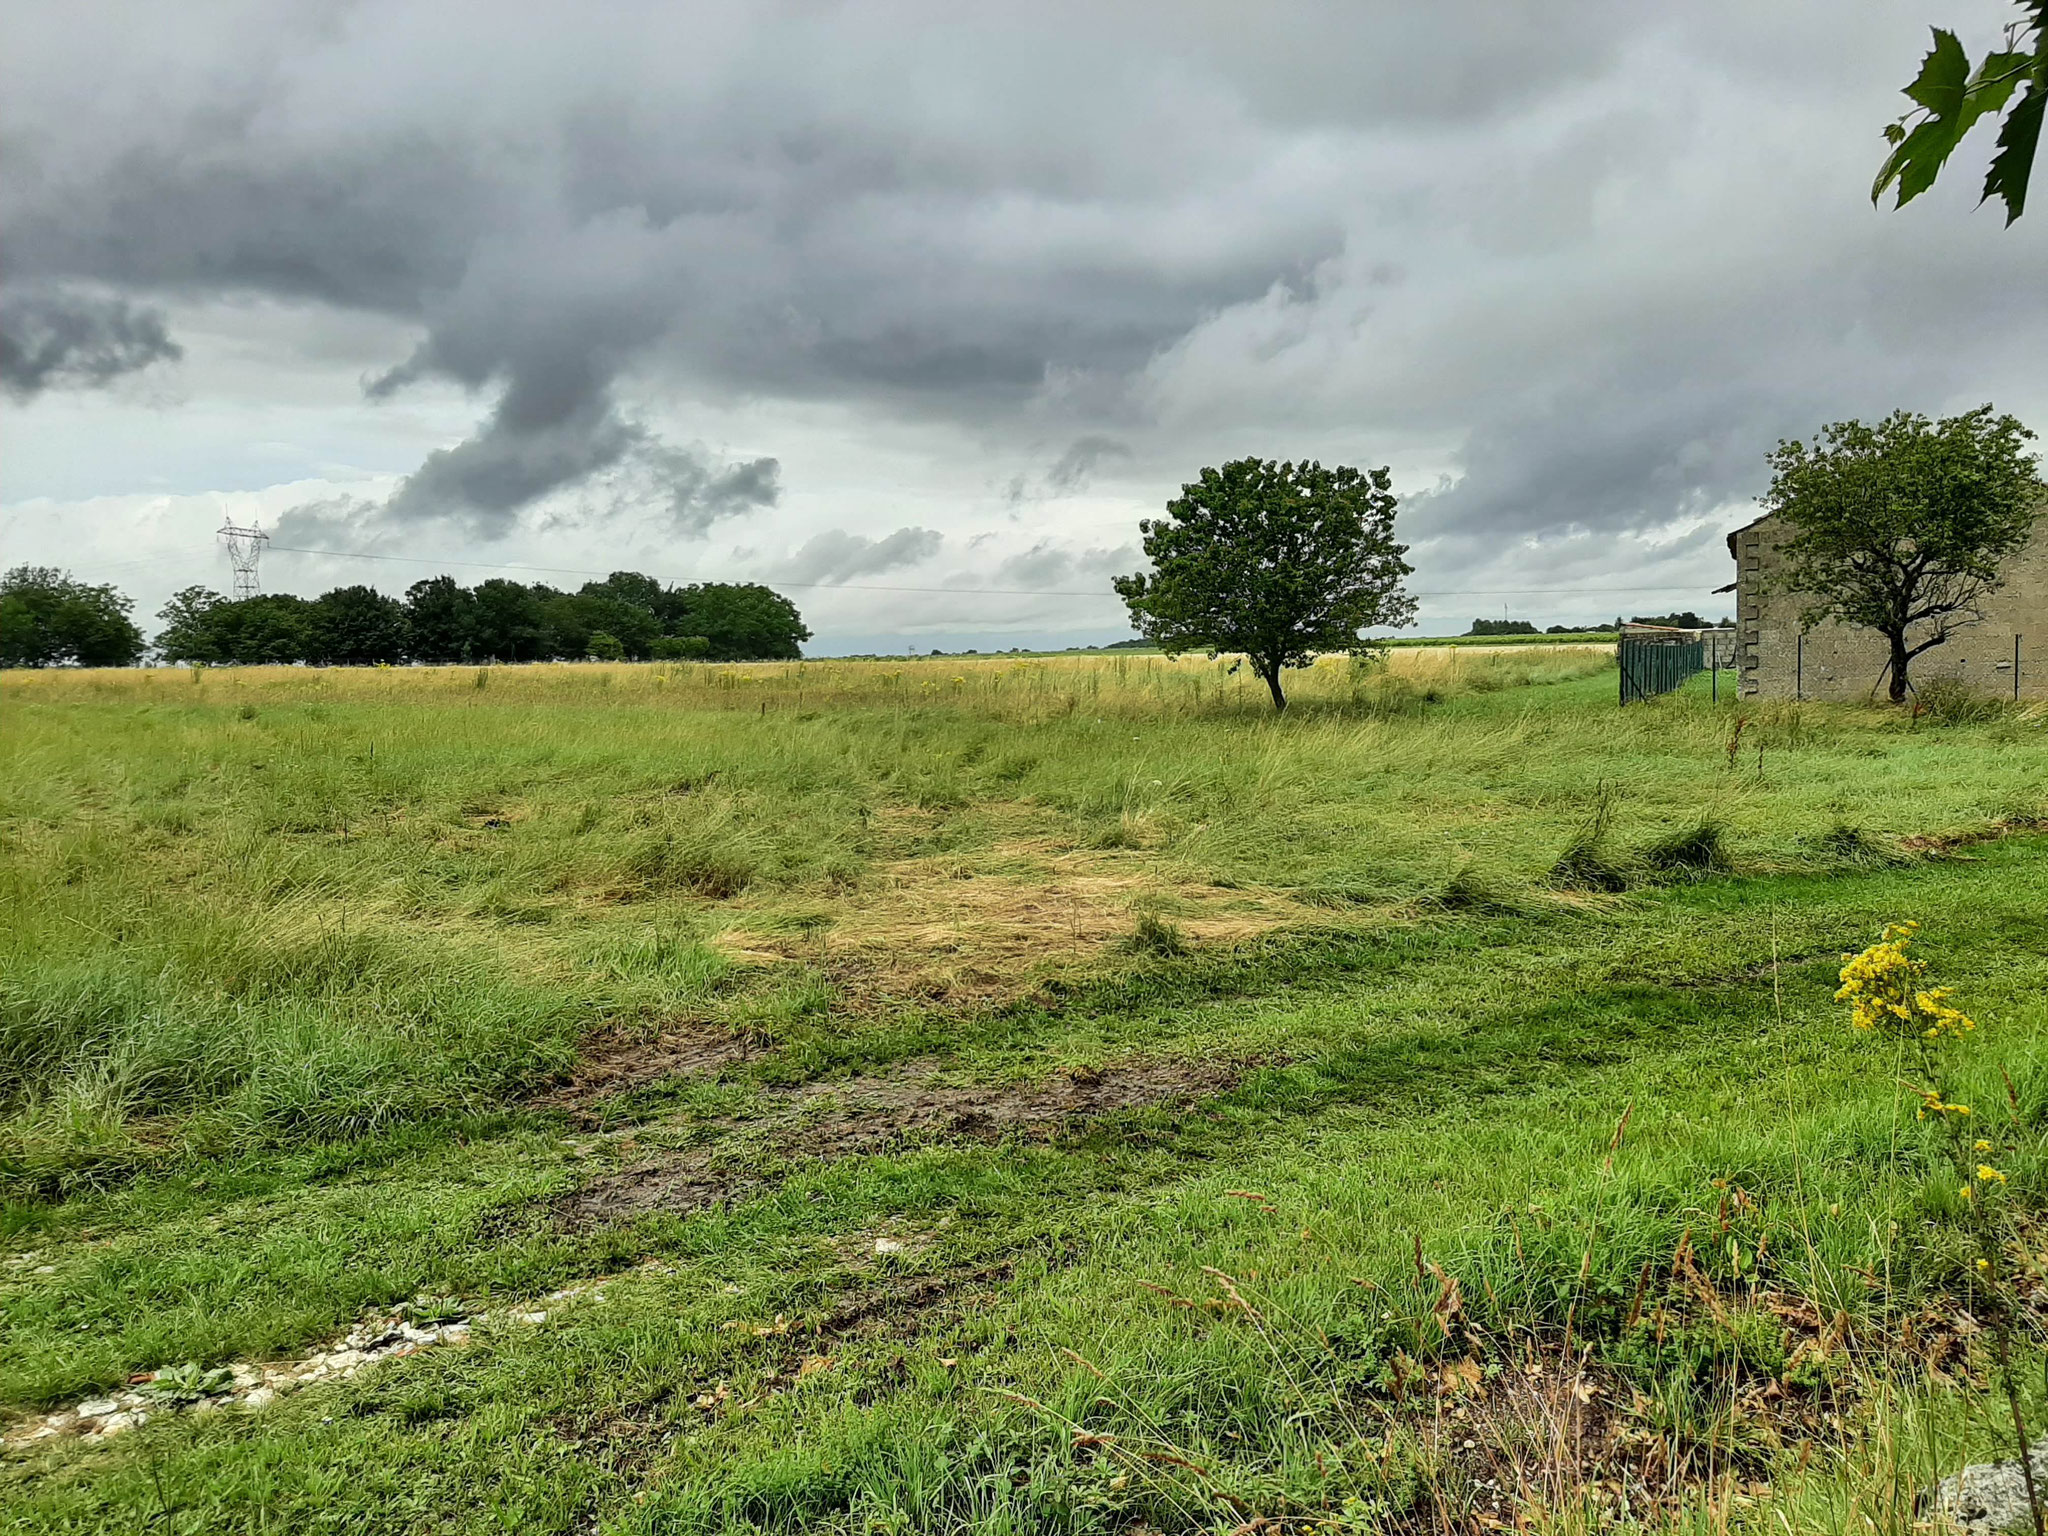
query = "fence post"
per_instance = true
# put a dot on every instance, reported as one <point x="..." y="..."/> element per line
<point x="2015" y="667"/>
<point x="1799" y="669"/>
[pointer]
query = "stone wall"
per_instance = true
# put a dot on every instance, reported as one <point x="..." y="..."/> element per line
<point x="1844" y="663"/>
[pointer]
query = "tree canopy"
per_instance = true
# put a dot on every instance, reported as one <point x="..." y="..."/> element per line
<point x="47" y="619"/>
<point x="1949" y="98"/>
<point x="1276" y="561"/>
<point x="1903" y="527"/>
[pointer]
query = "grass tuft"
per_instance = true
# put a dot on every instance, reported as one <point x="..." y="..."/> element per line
<point x="1470" y="890"/>
<point x="1156" y="935"/>
<point x="1947" y="701"/>
<point x="1700" y="849"/>
<point x="1848" y="844"/>
<point x="1584" y="865"/>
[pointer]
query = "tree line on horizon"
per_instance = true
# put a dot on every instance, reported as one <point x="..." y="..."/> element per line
<point x="49" y="619"/>
<point x="1686" y="619"/>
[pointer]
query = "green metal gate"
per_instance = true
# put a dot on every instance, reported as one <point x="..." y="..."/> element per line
<point x="1656" y="663"/>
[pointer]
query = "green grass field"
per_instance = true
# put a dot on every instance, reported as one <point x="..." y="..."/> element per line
<point x="1000" y="1095"/>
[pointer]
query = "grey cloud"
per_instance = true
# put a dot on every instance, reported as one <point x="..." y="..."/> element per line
<point x="752" y="227"/>
<point x="1049" y="566"/>
<point x="1070" y="473"/>
<point x="344" y="524"/>
<point x="61" y="339"/>
<point x="836" y="555"/>
<point x="698" y="492"/>
<point x="485" y="483"/>
<point x="1590" y="263"/>
<point x="508" y="465"/>
<point x="1078" y="464"/>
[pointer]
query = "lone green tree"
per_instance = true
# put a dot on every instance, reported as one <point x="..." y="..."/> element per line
<point x="1904" y="527"/>
<point x="1948" y="99"/>
<point x="1277" y="561"/>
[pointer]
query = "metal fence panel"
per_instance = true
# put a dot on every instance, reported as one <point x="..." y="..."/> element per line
<point x="1653" y="666"/>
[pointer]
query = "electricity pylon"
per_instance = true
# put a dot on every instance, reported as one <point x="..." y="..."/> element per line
<point x="245" y="548"/>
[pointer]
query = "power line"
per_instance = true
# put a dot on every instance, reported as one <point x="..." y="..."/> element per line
<point x="848" y="586"/>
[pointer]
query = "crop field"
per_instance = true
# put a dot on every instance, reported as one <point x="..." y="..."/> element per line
<point x="999" y="1095"/>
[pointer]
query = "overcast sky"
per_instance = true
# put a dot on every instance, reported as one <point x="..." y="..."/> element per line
<point x="881" y="302"/>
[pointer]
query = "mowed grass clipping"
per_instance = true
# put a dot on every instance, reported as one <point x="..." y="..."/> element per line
<point x="290" y="956"/>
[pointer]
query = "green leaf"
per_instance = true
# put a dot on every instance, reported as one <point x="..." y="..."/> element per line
<point x="1944" y="76"/>
<point x="1940" y="88"/>
<point x="1916" y="162"/>
<point x="1953" y="99"/>
<point x="2014" y="163"/>
<point x="1992" y="86"/>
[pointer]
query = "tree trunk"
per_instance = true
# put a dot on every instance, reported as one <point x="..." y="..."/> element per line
<point x="1899" y="664"/>
<point x="1272" y="677"/>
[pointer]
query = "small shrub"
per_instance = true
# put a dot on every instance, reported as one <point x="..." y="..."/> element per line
<point x="247" y="712"/>
<point x="1699" y="849"/>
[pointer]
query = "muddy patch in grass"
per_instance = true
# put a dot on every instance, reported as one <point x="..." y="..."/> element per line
<point x="729" y="1157"/>
<point x="614" y="1061"/>
<point x="907" y="1304"/>
<point x="1938" y="843"/>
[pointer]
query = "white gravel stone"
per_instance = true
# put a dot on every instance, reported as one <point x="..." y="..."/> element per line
<point x="258" y="1385"/>
<point x="1990" y="1496"/>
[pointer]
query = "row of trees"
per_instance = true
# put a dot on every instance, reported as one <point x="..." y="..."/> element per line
<point x="627" y="615"/>
<point x="1685" y="620"/>
<point x="48" y="619"/>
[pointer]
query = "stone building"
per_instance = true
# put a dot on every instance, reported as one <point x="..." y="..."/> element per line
<point x="1835" y="661"/>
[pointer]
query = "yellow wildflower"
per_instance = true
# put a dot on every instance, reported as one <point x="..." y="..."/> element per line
<point x="1880" y="985"/>
<point x="1986" y="1174"/>
<point x="1932" y="1105"/>
<point x="1982" y="1146"/>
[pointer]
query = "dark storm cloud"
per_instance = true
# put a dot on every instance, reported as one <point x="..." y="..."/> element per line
<point x="555" y="208"/>
<point x="1591" y="260"/>
<point x="836" y="555"/>
<point x="68" y="340"/>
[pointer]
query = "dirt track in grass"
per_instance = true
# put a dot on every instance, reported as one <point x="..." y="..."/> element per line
<point x="616" y="1061"/>
<point x="729" y="1157"/>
